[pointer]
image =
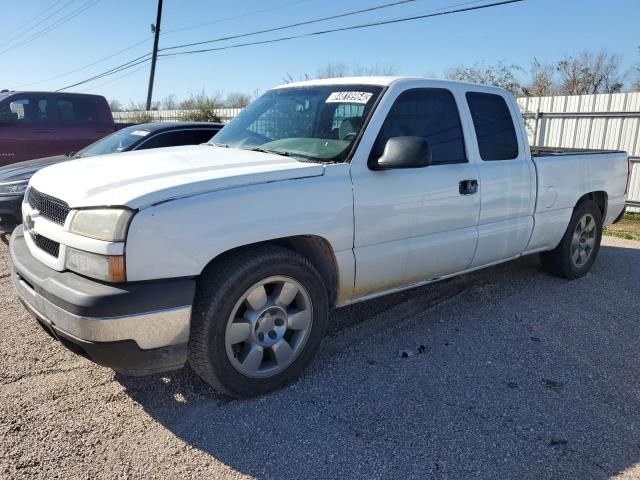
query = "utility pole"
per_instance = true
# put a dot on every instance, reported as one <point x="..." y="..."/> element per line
<point x="156" y="30"/>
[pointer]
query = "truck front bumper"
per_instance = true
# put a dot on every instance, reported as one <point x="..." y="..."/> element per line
<point x="135" y="328"/>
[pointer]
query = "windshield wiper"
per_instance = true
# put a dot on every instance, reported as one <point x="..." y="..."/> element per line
<point x="266" y="150"/>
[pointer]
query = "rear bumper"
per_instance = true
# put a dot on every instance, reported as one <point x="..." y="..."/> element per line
<point x="135" y="328"/>
<point x="10" y="212"/>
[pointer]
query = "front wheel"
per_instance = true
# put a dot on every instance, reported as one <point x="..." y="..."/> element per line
<point x="579" y="247"/>
<point x="259" y="318"/>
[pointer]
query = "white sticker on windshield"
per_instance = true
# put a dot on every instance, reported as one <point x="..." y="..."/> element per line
<point x="140" y="133"/>
<point x="349" y="97"/>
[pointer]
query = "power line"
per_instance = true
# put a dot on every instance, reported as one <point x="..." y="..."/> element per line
<point x="235" y="17"/>
<point x="53" y="26"/>
<point x="132" y="46"/>
<point x="132" y="63"/>
<point x="435" y="13"/>
<point x="120" y="68"/>
<point x="29" y="29"/>
<point x="126" y="49"/>
<point x="293" y="25"/>
<point x="114" y="79"/>
<point x="343" y="29"/>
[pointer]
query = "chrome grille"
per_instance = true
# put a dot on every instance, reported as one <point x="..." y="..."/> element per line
<point x="47" y="245"/>
<point x="49" y="207"/>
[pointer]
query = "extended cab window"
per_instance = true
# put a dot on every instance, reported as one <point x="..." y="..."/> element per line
<point x="494" y="127"/>
<point x="27" y="109"/>
<point x="76" y="110"/>
<point x="430" y="113"/>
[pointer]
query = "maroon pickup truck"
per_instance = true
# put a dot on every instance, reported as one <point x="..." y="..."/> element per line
<point x="41" y="124"/>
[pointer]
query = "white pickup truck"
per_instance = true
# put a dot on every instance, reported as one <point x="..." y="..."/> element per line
<point x="228" y="255"/>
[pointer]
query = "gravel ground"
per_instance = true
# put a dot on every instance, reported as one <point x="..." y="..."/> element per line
<point x="525" y="376"/>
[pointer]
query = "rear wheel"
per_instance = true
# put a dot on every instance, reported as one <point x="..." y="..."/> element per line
<point x="258" y="319"/>
<point x="579" y="247"/>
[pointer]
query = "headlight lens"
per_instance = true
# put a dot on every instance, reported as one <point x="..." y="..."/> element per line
<point x="17" y="187"/>
<point x="108" y="224"/>
<point x="101" y="267"/>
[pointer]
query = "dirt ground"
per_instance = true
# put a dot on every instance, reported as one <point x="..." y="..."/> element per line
<point x="525" y="376"/>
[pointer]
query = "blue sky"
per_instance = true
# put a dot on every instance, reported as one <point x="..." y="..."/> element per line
<point x="514" y="34"/>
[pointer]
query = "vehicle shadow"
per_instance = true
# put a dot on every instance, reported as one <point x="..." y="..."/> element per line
<point x="525" y="376"/>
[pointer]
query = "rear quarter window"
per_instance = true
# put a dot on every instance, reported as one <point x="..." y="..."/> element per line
<point x="493" y="125"/>
<point x="76" y="110"/>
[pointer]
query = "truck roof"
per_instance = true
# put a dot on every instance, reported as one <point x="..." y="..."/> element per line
<point x="38" y="92"/>
<point x="382" y="81"/>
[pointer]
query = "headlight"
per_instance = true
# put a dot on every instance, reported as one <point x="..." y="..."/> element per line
<point x="13" y="188"/>
<point x="107" y="268"/>
<point x="108" y="224"/>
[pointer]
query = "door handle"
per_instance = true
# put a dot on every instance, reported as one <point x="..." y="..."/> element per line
<point x="468" y="187"/>
<point x="43" y="131"/>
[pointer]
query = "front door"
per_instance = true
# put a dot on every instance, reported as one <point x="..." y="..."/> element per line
<point x="26" y="129"/>
<point x="413" y="225"/>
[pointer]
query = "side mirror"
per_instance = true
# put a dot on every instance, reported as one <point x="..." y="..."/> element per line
<point x="404" y="152"/>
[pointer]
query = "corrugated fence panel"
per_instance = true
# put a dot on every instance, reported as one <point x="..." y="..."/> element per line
<point x="629" y="131"/>
<point x="600" y="122"/>
<point x="634" y="188"/>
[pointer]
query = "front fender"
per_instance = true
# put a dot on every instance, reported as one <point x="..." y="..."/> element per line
<point x="179" y="238"/>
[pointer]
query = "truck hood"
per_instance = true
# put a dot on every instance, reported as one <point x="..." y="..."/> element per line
<point x="143" y="178"/>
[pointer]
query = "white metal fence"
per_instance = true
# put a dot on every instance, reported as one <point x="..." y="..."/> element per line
<point x="225" y="115"/>
<point x="604" y="121"/>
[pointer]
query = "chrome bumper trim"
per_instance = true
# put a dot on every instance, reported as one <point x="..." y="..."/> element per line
<point x="149" y="329"/>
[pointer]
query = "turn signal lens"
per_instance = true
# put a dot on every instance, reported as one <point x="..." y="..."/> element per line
<point x="117" y="273"/>
<point x="108" y="268"/>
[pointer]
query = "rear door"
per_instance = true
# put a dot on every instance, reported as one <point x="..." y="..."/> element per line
<point x="27" y="131"/>
<point x="417" y="224"/>
<point x="507" y="178"/>
<point x="78" y="123"/>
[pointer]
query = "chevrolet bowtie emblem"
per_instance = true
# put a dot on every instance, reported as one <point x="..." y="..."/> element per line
<point x="29" y="224"/>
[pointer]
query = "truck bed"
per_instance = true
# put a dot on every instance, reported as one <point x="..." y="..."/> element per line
<point x="556" y="151"/>
<point x="564" y="176"/>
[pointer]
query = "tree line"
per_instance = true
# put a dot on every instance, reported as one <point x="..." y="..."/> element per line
<point x="583" y="74"/>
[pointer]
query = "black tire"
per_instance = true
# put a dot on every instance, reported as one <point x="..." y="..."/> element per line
<point x="558" y="261"/>
<point x="220" y="288"/>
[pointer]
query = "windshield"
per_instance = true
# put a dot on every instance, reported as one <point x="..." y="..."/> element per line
<point x="317" y="122"/>
<point x="121" y="141"/>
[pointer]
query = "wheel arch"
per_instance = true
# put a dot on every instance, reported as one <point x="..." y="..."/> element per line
<point x="314" y="248"/>
<point x="599" y="197"/>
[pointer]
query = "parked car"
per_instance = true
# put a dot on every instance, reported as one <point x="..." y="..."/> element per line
<point x="319" y="194"/>
<point x="40" y="124"/>
<point x="14" y="178"/>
